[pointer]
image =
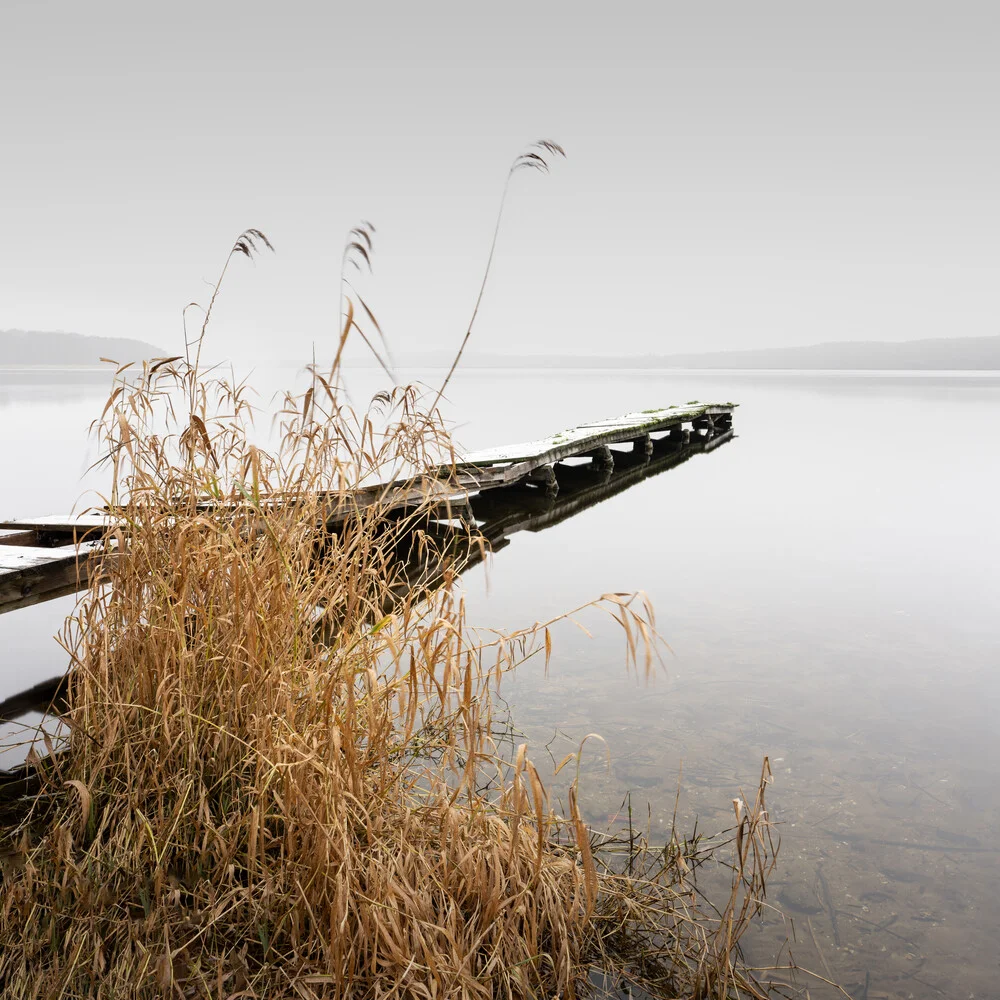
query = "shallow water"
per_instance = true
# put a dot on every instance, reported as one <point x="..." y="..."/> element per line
<point x="828" y="583"/>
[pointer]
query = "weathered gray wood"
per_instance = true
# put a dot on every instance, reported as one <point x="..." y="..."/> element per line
<point x="27" y="571"/>
<point x="18" y="537"/>
<point x="61" y="528"/>
<point x="39" y="596"/>
<point x="501" y="512"/>
<point x="586" y="437"/>
<point x="61" y="522"/>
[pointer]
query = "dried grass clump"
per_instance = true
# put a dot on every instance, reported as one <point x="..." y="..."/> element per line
<point x="271" y="784"/>
<point x="282" y="777"/>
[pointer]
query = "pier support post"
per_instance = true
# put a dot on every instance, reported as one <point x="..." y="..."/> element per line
<point x="601" y="458"/>
<point x="545" y="478"/>
<point x="643" y="445"/>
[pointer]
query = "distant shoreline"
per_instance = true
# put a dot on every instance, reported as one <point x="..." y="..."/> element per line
<point x="97" y="370"/>
<point x="27" y="351"/>
<point x="36" y="349"/>
<point x="941" y="354"/>
<point x="55" y="368"/>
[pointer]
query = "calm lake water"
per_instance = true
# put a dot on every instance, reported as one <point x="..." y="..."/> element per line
<point x="829" y="585"/>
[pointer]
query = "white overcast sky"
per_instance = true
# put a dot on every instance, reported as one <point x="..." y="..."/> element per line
<point x="739" y="174"/>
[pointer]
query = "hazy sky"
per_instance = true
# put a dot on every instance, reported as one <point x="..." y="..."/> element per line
<point x="739" y="174"/>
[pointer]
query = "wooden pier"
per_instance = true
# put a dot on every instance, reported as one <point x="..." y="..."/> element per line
<point x="505" y="493"/>
<point x="534" y="461"/>
<point x="46" y="557"/>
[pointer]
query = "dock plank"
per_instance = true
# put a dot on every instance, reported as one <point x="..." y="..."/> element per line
<point x="29" y="571"/>
<point x="585" y="437"/>
<point x="78" y="525"/>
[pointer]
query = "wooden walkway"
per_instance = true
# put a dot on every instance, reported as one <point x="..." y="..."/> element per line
<point x="37" y="563"/>
<point x="499" y="515"/>
<point x="46" y="557"/>
<point x="534" y="460"/>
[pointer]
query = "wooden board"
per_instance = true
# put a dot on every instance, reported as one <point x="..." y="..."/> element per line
<point x="76" y="526"/>
<point x="18" y="537"/>
<point x="28" y="571"/>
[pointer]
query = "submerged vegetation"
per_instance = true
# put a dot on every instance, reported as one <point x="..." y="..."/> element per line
<point x="283" y="775"/>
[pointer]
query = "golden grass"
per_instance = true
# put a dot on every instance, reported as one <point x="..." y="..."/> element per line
<point x="282" y="777"/>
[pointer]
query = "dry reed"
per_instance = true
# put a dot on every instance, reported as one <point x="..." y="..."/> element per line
<point x="282" y="776"/>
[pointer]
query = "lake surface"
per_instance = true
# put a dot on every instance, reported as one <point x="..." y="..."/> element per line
<point x="829" y="585"/>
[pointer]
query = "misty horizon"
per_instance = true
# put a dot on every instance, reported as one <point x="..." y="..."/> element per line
<point x="59" y="348"/>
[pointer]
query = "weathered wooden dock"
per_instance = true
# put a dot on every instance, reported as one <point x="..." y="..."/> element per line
<point x="534" y="461"/>
<point x="43" y="558"/>
<point x="46" y="557"/>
